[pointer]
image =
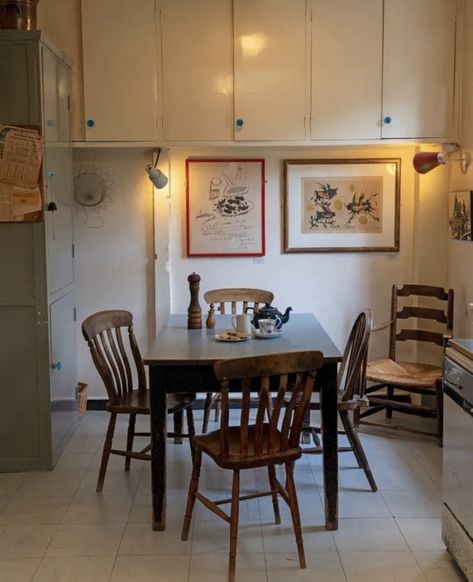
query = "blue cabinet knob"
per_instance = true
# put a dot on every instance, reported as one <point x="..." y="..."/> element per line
<point x="388" y="120"/>
<point x="56" y="365"/>
<point x="239" y="123"/>
<point x="90" y="123"/>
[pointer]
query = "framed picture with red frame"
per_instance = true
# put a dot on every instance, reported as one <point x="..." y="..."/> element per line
<point x="225" y="207"/>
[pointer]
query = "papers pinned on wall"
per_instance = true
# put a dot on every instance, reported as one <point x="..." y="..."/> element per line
<point x="21" y="153"/>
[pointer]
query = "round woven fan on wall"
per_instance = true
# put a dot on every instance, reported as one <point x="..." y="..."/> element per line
<point x="90" y="189"/>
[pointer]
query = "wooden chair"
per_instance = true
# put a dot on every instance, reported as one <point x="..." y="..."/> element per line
<point x="262" y="444"/>
<point x="238" y="301"/>
<point x="103" y="334"/>
<point x="351" y="396"/>
<point x="392" y="375"/>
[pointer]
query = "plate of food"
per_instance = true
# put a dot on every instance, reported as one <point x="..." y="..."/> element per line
<point x="232" y="336"/>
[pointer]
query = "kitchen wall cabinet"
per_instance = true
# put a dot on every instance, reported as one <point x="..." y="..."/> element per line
<point x="419" y="68"/>
<point x="347" y="64"/>
<point x="270" y="69"/>
<point x="197" y="40"/>
<point x="120" y="53"/>
<point x="37" y="307"/>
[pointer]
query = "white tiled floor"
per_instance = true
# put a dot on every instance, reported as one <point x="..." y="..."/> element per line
<point x="55" y="528"/>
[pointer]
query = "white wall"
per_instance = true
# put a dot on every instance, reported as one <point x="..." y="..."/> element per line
<point x="333" y="286"/>
<point x="460" y="253"/>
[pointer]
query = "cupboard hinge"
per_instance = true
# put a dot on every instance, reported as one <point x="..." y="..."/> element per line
<point x="73" y="249"/>
<point x="75" y="314"/>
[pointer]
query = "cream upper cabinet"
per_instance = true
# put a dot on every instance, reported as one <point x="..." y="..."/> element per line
<point x="347" y="40"/>
<point x="270" y="69"/>
<point x="120" y="70"/>
<point x="197" y="40"/>
<point x="419" y="66"/>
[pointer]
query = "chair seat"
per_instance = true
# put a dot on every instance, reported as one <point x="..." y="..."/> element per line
<point x="137" y="402"/>
<point x="403" y="373"/>
<point x="210" y="444"/>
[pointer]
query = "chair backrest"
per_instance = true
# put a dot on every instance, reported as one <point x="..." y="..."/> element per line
<point x="261" y="374"/>
<point x="441" y="313"/>
<point x="236" y="296"/>
<point x="103" y="333"/>
<point x="351" y="375"/>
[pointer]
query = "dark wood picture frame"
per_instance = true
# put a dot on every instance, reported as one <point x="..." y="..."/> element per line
<point x="225" y="204"/>
<point x="362" y="205"/>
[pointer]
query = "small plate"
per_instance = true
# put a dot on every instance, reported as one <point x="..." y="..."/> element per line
<point x="257" y="333"/>
<point x="231" y="336"/>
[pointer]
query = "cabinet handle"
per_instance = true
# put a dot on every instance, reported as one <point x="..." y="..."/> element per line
<point x="56" y="365"/>
<point x="90" y="123"/>
<point x="239" y="123"/>
<point x="388" y="120"/>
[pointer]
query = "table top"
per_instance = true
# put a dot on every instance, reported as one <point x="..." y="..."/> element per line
<point x="177" y="345"/>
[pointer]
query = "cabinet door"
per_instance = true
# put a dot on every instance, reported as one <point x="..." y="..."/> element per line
<point x="63" y="117"/>
<point x="419" y="61"/>
<point x="63" y="371"/>
<point x="50" y="96"/>
<point x="198" y="70"/>
<point x="120" y="69"/>
<point x="347" y="40"/>
<point x="270" y="69"/>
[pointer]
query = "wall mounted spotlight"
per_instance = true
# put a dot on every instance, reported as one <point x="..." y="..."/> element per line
<point x="158" y="178"/>
<point x="426" y="161"/>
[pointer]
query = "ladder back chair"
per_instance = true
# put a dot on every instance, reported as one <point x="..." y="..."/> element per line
<point x="237" y="300"/>
<point x="104" y="333"/>
<point x="262" y="444"/>
<point x="351" y="393"/>
<point x="410" y="305"/>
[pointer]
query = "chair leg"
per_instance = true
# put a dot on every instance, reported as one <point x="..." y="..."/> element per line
<point x="294" y="507"/>
<point x="357" y="447"/>
<point x="272" y="484"/>
<point x="190" y="428"/>
<point x="193" y="487"/>
<point x="107" y="446"/>
<point x="439" y="400"/>
<point x="218" y="406"/>
<point x="207" y="408"/>
<point x="178" y="418"/>
<point x="129" y="439"/>
<point x="234" y="525"/>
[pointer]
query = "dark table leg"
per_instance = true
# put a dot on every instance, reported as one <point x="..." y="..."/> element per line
<point x="158" y="405"/>
<point x="329" y="411"/>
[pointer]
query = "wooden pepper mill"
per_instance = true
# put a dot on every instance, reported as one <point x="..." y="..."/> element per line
<point x="210" y="323"/>
<point x="194" y="312"/>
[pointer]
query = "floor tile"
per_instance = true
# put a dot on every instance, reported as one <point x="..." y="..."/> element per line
<point x="426" y="503"/>
<point x="58" y="483"/>
<point x="214" y="568"/>
<point x="71" y="569"/>
<point x="321" y="567"/>
<point x="97" y="508"/>
<point x="362" y="504"/>
<point x="25" y="541"/>
<point x="280" y="539"/>
<point x="368" y="534"/>
<point x="151" y="569"/>
<point x="140" y="540"/>
<point x="381" y="567"/>
<point x="403" y="478"/>
<point x="10" y="483"/>
<point x="439" y="567"/>
<point x="18" y="570"/>
<point x="41" y="510"/>
<point x="116" y="482"/>
<point x="213" y="537"/>
<point x="422" y="534"/>
<point x="310" y="507"/>
<point x="85" y="540"/>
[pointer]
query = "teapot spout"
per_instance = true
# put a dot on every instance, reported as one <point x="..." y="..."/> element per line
<point x="285" y="317"/>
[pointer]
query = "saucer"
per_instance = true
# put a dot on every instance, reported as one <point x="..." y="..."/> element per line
<point x="231" y="336"/>
<point x="257" y="333"/>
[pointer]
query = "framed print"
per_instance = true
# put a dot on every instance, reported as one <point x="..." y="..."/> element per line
<point x="341" y="205"/>
<point x="459" y="215"/>
<point x="225" y="207"/>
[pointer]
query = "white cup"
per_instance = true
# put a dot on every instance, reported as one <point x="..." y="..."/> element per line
<point x="242" y="323"/>
<point x="267" y="326"/>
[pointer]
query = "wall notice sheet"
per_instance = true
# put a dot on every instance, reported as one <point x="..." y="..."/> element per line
<point x="21" y="152"/>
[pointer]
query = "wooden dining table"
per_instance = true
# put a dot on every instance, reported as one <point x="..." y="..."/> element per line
<point x="181" y="360"/>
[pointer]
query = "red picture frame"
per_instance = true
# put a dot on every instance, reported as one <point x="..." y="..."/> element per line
<point x="225" y="207"/>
